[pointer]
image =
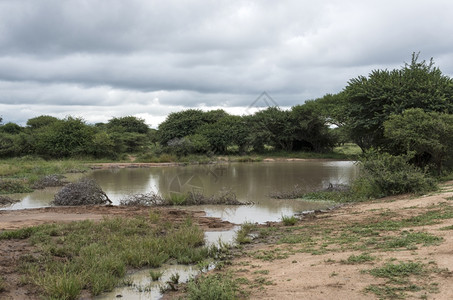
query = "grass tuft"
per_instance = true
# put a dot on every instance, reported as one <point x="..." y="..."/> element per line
<point x="358" y="259"/>
<point x="216" y="286"/>
<point x="243" y="234"/>
<point x="398" y="273"/>
<point x="289" y="220"/>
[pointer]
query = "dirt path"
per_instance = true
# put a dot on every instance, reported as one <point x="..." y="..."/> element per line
<point x="328" y="256"/>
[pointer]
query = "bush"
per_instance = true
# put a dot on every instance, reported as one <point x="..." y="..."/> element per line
<point x="84" y="192"/>
<point x="385" y="175"/>
<point x="215" y="286"/>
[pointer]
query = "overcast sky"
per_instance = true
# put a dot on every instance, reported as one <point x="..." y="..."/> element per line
<point x="99" y="59"/>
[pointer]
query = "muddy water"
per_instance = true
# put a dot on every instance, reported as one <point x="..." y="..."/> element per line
<point x="252" y="182"/>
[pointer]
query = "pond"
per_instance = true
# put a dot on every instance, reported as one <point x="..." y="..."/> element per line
<point x="251" y="182"/>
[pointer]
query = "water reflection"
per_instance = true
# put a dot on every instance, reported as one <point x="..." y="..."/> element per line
<point x="252" y="182"/>
<point x="144" y="288"/>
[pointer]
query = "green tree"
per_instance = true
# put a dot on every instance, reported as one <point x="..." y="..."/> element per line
<point x="226" y="132"/>
<point x="128" y="134"/>
<point x="273" y="127"/>
<point x="41" y="121"/>
<point x="13" y="145"/>
<point x="102" y="145"/>
<point x="11" y="128"/>
<point x="310" y="129"/>
<point x="428" y="134"/>
<point x="371" y="100"/>
<point x="180" y="124"/>
<point x="65" y="138"/>
<point x="129" y="124"/>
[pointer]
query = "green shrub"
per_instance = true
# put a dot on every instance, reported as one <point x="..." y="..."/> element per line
<point x="384" y="175"/>
<point x="289" y="221"/>
<point x="155" y="275"/>
<point x="217" y="286"/>
<point x="242" y="235"/>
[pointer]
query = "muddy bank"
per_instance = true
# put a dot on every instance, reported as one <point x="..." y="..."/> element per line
<point x="15" y="219"/>
<point x="221" y="160"/>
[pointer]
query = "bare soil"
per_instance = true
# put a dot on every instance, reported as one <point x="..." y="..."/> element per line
<point x="324" y="276"/>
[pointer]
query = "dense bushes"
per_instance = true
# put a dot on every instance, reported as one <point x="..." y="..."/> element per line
<point x="383" y="174"/>
<point x="182" y="133"/>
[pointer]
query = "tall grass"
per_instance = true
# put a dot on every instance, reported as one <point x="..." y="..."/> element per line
<point x="96" y="256"/>
<point x="216" y="286"/>
<point x="17" y="175"/>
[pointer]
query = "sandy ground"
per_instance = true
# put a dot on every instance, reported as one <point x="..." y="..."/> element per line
<point x="299" y="276"/>
<point x="308" y="276"/>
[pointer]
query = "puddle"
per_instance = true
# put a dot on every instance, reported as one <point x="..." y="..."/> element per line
<point x="142" y="287"/>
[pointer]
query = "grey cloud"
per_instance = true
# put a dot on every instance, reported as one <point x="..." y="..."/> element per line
<point x="119" y="56"/>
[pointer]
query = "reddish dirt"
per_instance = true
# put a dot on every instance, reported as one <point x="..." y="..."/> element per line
<point x="14" y="219"/>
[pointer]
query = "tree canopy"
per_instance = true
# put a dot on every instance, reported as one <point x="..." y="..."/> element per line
<point x="369" y="101"/>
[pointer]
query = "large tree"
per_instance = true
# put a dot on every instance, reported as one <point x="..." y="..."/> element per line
<point x="227" y="131"/>
<point x="64" y="138"/>
<point x="310" y="129"/>
<point x="429" y="135"/>
<point x="273" y="127"/>
<point x="128" y="134"/>
<point x="180" y="124"/>
<point x="369" y="101"/>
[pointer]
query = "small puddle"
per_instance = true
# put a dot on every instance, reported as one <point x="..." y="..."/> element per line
<point x="142" y="287"/>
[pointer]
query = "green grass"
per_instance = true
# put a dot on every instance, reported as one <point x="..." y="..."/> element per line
<point x="333" y="196"/>
<point x="243" y="234"/>
<point x="399" y="273"/>
<point x="309" y="155"/>
<point x="95" y="256"/>
<point x="447" y="228"/>
<point x="289" y="220"/>
<point x="155" y="275"/>
<point x="408" y="240"/>
<point x="359" y="259"/>
<point x="392" y="292"/>
<point x="17" y="175"/>
<point x="176" y="198"/>
<point x="399" y="279"/>
<point x="349" y="149"/>
<point x="215" y="286"/>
